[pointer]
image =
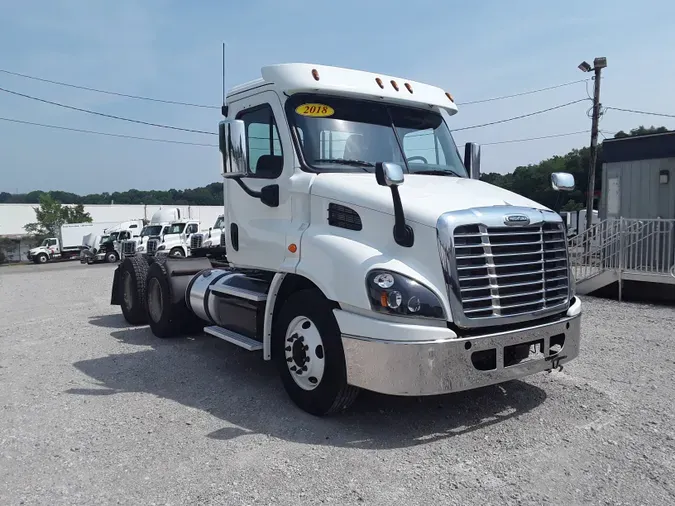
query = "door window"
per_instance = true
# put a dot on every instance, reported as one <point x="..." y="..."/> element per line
<point x="192" y="228"/>
<point x="265" y="156"/>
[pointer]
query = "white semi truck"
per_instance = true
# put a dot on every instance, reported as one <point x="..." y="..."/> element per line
<point x="362" y="253"/>
<point x="176" y="239"/>
<point x="158" y="226"/>
<point x="210" y="243"/>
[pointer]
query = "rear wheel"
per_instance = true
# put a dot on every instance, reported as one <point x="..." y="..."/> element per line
<point x="166" y="318"/>
<point x="307" y="348"/>
<point x="134" y="271"/>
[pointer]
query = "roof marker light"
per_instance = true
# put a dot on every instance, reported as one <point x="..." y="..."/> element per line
<point x="450" y="97"/>
<point x="315" y="74"/>
<point x="393" y="83"/>
<point x="379" y="82"/>
<point x="409" y="87"/>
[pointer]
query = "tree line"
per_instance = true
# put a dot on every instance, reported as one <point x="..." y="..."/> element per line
<point x="531" y="181"/>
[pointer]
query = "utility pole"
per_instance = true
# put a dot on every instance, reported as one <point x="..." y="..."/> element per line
<point x="598" y="64"/>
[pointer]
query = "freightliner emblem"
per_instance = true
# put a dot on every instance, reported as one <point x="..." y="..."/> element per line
<point x="516" y="219"/>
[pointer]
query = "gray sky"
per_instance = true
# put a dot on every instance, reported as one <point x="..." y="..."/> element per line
<point x="172" y="50"/>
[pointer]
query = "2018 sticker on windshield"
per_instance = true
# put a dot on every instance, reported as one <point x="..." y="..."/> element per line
<point x="315" y="110"/>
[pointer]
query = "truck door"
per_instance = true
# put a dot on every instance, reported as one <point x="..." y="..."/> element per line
<point x="256" y="233"/>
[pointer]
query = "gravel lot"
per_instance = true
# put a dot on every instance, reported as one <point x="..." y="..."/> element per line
<point x="95" y="412"/>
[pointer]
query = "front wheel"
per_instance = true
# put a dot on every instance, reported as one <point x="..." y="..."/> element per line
<point x="177" y="253"/>
<point x="307" y="348"/>
<point x="112" y="257"/>
<point x="41" y="259"/>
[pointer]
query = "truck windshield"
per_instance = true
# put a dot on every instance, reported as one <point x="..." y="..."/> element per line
<point x="151" y="230"/>
<point x="176" y="228"/>
<point x="113" y="236"/>
<point x="219" y="223"/>
<point x="350" y="135"/>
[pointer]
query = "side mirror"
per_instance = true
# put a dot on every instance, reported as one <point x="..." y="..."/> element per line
<point x="472" y="159"/>
<point x="232" y="144"/>
<point x="562" y="181"/>
<point x="388" y="174"/>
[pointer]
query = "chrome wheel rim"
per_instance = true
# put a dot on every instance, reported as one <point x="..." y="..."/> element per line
<point x="304" y="353"/>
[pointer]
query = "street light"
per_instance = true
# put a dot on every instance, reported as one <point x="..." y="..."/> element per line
<point x="599" y="63"/>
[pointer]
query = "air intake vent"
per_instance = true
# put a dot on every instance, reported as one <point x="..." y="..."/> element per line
<point x="343" y="217"/>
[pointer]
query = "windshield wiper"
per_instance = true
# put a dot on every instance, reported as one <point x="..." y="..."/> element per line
<point x="432" y="172"/>
<point x="343" y="161"/>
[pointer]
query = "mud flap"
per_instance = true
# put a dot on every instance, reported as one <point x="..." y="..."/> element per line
<point x="115" y="296"/>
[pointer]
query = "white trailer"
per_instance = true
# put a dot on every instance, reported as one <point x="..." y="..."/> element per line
<point x="362" y="252"/>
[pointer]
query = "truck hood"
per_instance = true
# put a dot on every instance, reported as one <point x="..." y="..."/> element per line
<point x="424" y="197"/>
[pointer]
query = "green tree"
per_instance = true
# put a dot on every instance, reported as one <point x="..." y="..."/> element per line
<point x="51" y="214"/>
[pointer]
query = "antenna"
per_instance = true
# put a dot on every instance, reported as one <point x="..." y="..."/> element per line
<point x="223" y="109"/>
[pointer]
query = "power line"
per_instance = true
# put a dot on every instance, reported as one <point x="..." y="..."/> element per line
<point x="641" y="112"/>
<point x="522" y="93"/>
<point x="108" y="92"/>
<point x="521" y="116"/>
<point x="96" y="113"/>
<point x="108" y="134"/>
<point x="535" y="138"/>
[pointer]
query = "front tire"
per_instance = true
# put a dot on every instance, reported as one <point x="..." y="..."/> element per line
<point x="177" y="253"/>
<point x="112" y="257"/>
<point x="41" y="259"/>
<point x="307" y="348"/>
<point x="134" y="271"/>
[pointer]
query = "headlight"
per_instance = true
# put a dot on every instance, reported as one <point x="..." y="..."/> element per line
<point x="140" y="248"/>
<point x="207" y="244"/>
<point x="161" y="247"/>
<point x="394" y="293"/>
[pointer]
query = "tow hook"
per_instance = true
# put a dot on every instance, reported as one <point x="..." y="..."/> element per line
<point x="555" y="362"/>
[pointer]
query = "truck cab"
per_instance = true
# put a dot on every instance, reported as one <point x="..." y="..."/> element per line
<point x="363" y="252"/>
<point x="210" y="243"/>
<point x="176" y="239"/>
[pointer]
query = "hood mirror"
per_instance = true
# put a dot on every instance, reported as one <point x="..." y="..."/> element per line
<point x="562" y="181"/>
<point x="388" y="174"/>
<point x="391" y="175"/>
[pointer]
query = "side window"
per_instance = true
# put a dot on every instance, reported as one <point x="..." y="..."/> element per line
<point x="423" y="143"/>
<point x="192" y="228"/>
<point x="265" y="157"/>
<point x="52" y="242"/>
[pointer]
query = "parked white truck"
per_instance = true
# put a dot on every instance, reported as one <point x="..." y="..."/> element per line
<point x="159" y="223"/>
<point x="70" y="243"/>
<point x="210" y="243"/>
<point x="176" y="240"/>
<point x="110" y="250"/>
<point x="360" y="252"/>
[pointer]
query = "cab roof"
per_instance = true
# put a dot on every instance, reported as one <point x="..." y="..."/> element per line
<point x="291" y="78"/>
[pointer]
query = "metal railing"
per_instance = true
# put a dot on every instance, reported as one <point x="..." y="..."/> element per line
<point x="624" y="245"/>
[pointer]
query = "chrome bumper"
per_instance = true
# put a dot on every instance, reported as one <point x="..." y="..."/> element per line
<point x="437" y="367"/>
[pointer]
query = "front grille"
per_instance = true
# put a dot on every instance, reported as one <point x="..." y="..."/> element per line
<point x="152" y="246"/>
<point x="222" y="238"/>
<point x="507" y="271"/>
<point x="128" y="248"/>
<point x="196" y="241"/>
